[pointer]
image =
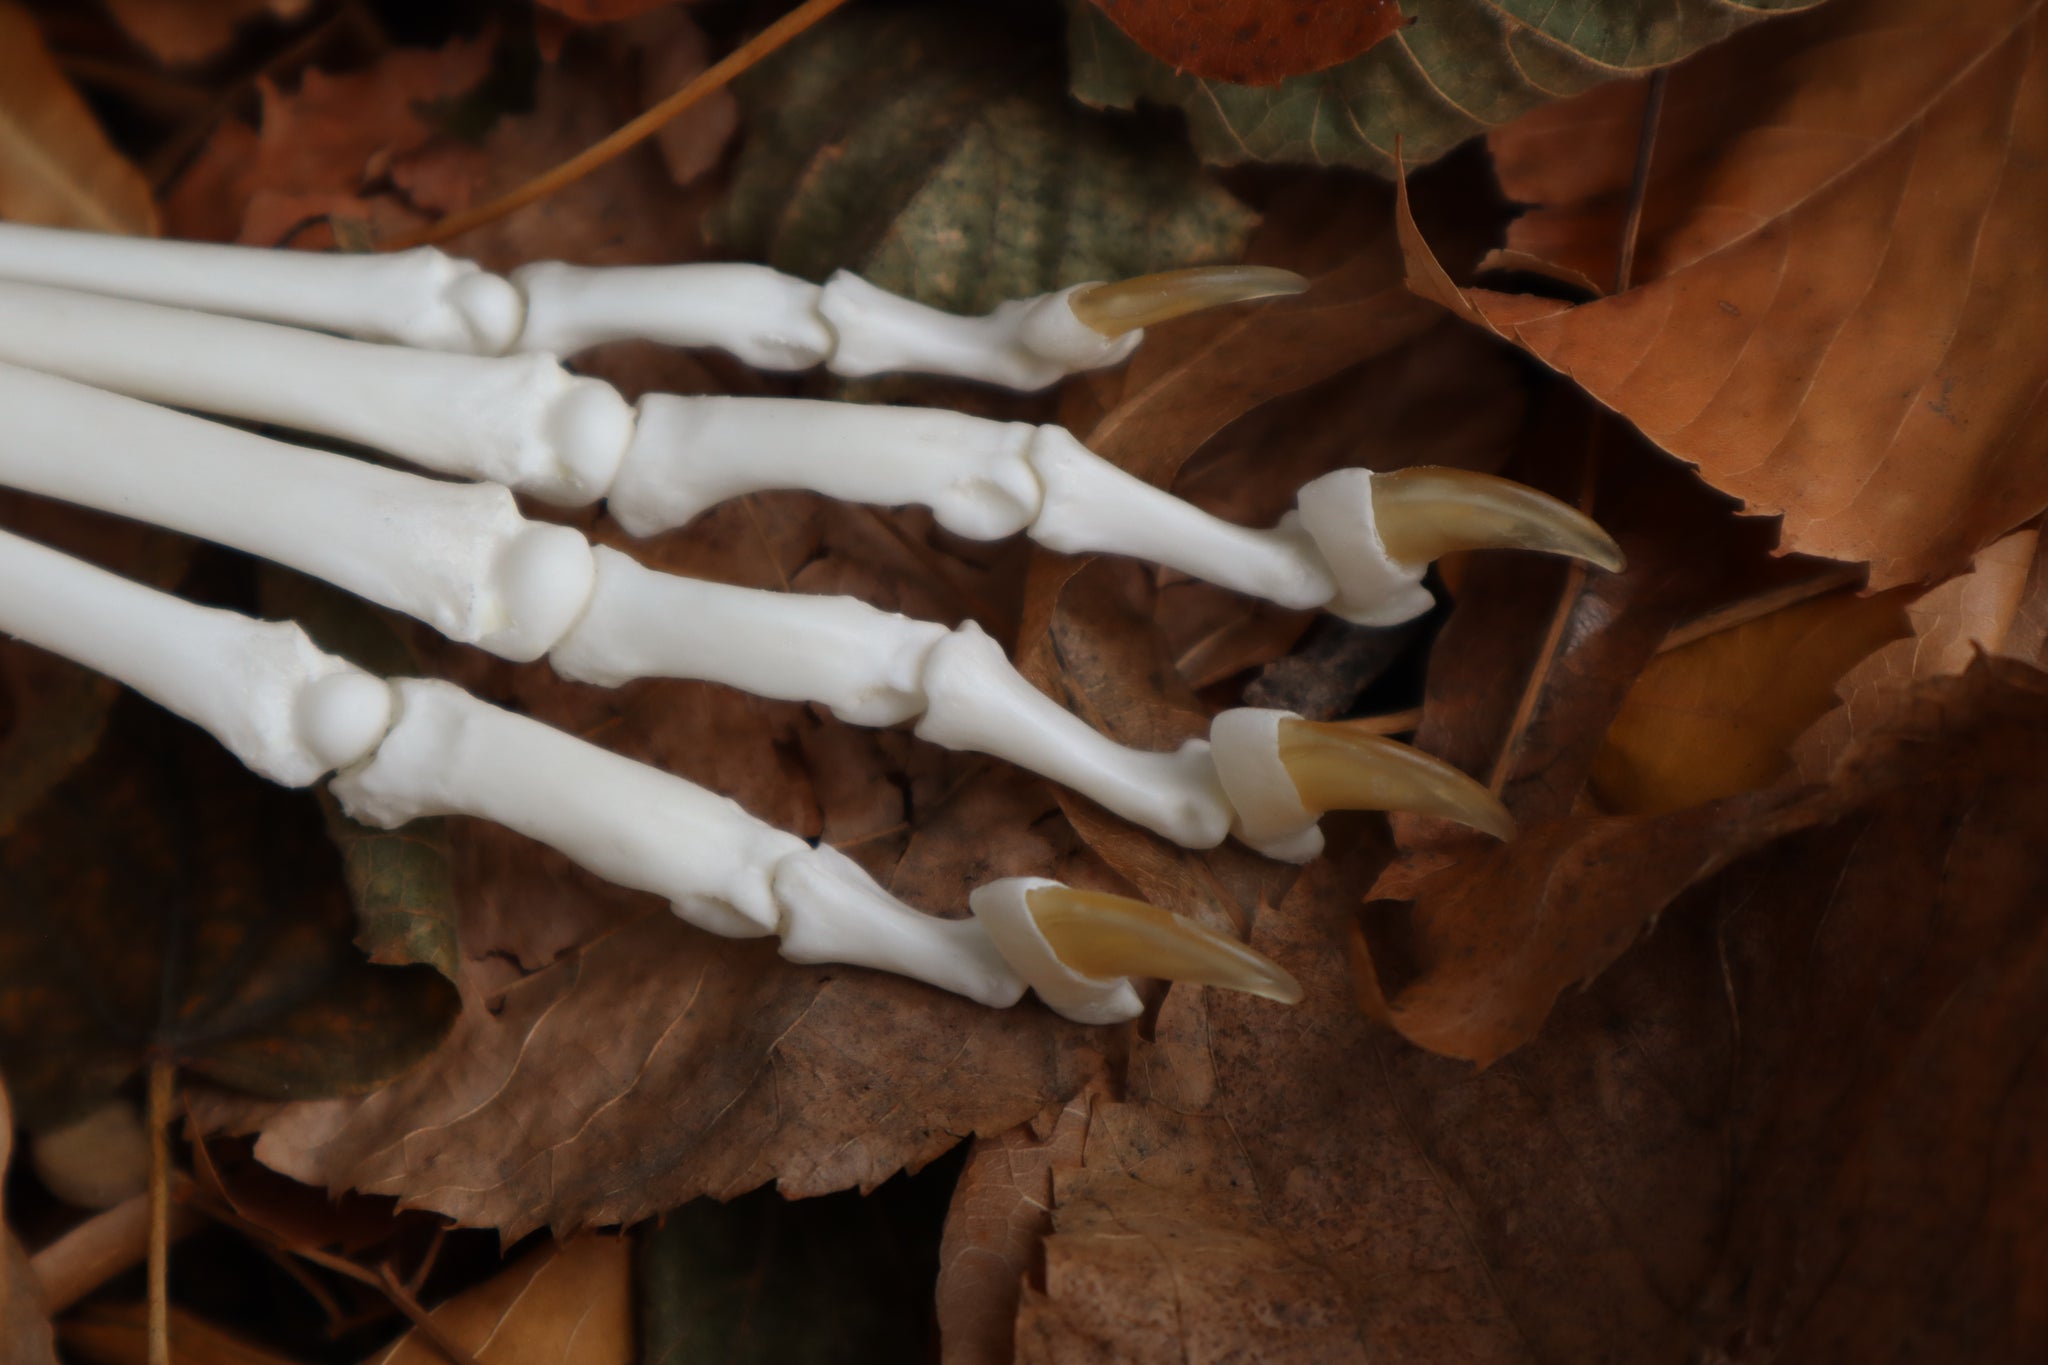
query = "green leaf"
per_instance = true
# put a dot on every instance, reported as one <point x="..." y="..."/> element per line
<point x="401" y="881"/>
<point x="942" y="161"/>
<point x="1460" y="68"/>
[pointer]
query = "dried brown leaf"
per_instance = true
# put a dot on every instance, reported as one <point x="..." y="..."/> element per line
<point x="1999" y="607"/>
<point x="56" y="165"/>
<point x="1792" y="1125"/>
<point x="1837" y="315"/>
<point x="182" y="32"/>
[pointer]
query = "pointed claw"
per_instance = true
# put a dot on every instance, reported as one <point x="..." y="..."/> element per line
<point x="1337" y="767"/>
<point x="1428" y="511"/>
<point x="1101" y="935"/>
<point x="1127" y="305"/>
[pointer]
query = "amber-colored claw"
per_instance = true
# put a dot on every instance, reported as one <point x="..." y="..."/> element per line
<point x="1429" y="511"/>
<point x="1105" y="936"/>
<point x="1336" y="767"/>
<point x="1127" y="305"/>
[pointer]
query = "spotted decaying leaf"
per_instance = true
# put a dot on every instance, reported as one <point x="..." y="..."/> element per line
<point x="1836" y="314"/>
<point x="1458" y="68"/>
<point x="966" y="180"/>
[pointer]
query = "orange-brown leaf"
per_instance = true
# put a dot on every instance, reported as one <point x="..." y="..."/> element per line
<point x="1837" y="315"/>
<point x="564" y="1304"/>
<point x="56" y="166"/>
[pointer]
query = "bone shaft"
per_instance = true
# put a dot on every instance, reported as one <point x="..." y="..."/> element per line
<point x="837" y="651"/>
<point x="477" y="417"/>
<point x="395" y="297"/>
<point x="767" y="319"/>
<point x="979" y="702"/>
<point x="432" y="550"/>
<point x="689" y="454"/>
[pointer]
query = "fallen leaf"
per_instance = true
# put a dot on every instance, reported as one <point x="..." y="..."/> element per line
<point x="1252" y="42"/>
<point x="1002" y="1209"/>
<point x="53" y="712"/>
<point x="568" y="1303"/>
<point x="1999" y="607"/>
<point x="164" y="901"/>
<point x="603" y="11"/>
<point x="1793" y="1124"/>
<point x="672" y="52"/>
<point x="1833" y="318"/>
<point x="1719" y="716"/>
<point x="25" y="1337"/>
<point x="56" y="165"/>
<point x="1458" y="68"/>
<point x="183" y="32"/>
<point x="940" y="161"/>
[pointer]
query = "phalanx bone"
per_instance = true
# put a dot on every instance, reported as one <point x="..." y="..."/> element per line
<point x="460" y="557"/>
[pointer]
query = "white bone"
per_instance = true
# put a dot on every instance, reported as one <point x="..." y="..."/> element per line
<point x="1372" y="587"/>
<point x="281" y="706"/>
<point x="1090" y="504"/>
<point x="457" y="556"/>
<point x="834" y="912"/>
<point x="519" y="420"/>
<point x="418" y="298"/>
<point x="689" y="454"/>
<point x="425" y="298"/>
<point x="1002" y="910"/>
<point x="863" y="663"/>
<point x="1025" y="344"/>
<point x="978" y="701"/>
<point x="1270" y="816"/>
<point x="766" y="318"/>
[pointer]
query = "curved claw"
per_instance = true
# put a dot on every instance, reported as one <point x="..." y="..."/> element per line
<point x="1336" y="767"/>
<point x="1428" y="511"/>
<point x="1101" y="935"/>
<point x="1146" y="300"/>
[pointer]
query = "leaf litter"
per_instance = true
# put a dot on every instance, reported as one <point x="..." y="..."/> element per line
<point x="1757" y="997"/>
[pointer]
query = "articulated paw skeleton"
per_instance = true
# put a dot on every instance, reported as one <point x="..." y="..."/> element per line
<point x="454" y="369"/>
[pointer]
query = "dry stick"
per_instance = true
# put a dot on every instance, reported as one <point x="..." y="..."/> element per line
<point x="708" y="82"/>
<point x="1575" y="575"/>
<point x="162" y="1075"/>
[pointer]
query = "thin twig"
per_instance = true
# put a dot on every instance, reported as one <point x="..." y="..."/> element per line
<point x="426" y="1326"/>
<point x="162" y="1078"/>
<point x="708" y="82"/>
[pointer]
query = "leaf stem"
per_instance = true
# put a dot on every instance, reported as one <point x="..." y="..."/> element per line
<point x="162" y="1079"/>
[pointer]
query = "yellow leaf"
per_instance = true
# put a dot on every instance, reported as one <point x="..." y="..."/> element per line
<point x="56" y="166"/>
<point x="1719" y="716"/>
<point x="569" y="1303"/>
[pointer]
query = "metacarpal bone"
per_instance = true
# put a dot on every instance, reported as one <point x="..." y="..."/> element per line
<point x="421" y="297"/>
<point x="280" y="705"/>
<point x="978" y="701"/>
<point x="521" y="420"/>
<point x="863" y="663"/>
<point x="456" y="555"/>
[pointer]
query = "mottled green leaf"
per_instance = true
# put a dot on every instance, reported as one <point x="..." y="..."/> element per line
<point x="1458" y="69"/>
<point x="941" y="160"/>
<point x="401" y="880"/>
